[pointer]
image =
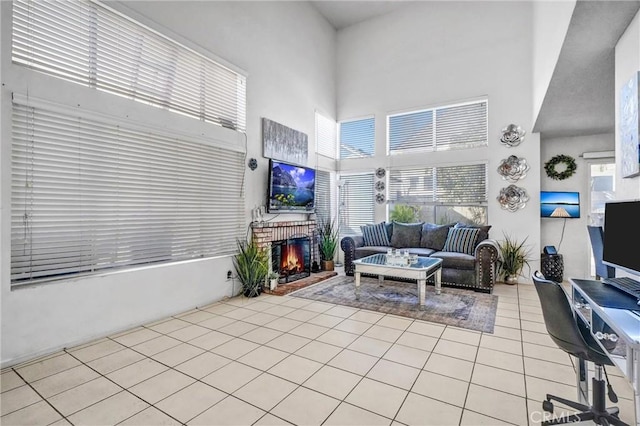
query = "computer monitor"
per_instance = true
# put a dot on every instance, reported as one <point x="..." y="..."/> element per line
<point x="622" y="235"/>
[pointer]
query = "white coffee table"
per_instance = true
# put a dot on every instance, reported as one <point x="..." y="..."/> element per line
<point x="421" y="270"/>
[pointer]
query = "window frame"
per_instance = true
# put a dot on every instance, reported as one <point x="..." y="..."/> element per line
<point x="364" y="119"/>
<point x="434" y="134"/>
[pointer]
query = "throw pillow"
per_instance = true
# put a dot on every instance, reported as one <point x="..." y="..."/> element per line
<point x="434" y="236"/>
<point x="484" y="230"/>
<point x="406" y="235"/>
<point x="461" y="240"/>
<point x="375" y="235"/>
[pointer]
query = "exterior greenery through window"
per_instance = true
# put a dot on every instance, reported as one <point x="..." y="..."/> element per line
<point x="440" y="194"/>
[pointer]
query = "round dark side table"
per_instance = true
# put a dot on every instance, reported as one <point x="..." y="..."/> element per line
<point x="552" y="267"/>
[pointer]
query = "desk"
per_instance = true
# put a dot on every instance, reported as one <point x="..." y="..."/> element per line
<point x="608" y="313"/>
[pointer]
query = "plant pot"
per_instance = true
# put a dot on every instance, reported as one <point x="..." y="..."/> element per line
<point x="327" y="265"/>
<point x="511" y="279"/>
<point x="252" y="292"/>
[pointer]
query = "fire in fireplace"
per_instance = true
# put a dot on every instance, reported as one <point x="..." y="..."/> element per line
<point x="291" y="258"/>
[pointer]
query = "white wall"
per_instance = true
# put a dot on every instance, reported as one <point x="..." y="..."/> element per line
<point x="575" y="247"/>
<point x="550" y="24"/>
<point x="627" y="65"/>
<point x="433" y="53"/>
<point x="288" y="51"/>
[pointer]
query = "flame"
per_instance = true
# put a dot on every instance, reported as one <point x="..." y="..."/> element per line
<point x="292" y="262"/>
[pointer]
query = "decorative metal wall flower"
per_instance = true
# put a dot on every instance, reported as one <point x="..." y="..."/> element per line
<point x="513" y="198"/>
<point x="380" y="198"/>
<point x="512" y="135"/>
<point x="513" y="168"/>
<point x="380" y="186"/>
<point x="380" y="172"/>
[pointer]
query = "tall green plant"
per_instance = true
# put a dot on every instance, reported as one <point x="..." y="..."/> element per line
<point x="252" y="267"/>
<point x="404" y="214"/>
<point x="328" y="232"/>
<point x="514" y="257"/>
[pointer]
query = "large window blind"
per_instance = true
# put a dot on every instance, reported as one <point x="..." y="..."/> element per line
<point x="88" y="43"/>
<point x="357" y="206"/>
<point x="442" y="192"/>
<point x="323" y="196"/>
<point x="326" y="136"/>
<point x="357" y="138"/>
<point x="438" y="129"/>
<point x="89" y="196"/>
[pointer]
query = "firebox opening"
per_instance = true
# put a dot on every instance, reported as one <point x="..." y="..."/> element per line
<point x="291" y="258"/>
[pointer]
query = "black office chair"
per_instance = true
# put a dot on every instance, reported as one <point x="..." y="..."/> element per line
<point x="573" y="336"/>
<point x="596" y="235"/>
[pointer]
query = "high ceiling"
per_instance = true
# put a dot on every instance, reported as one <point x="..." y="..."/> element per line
<point x="580" y="97"/>
<point x="342" y="14"/>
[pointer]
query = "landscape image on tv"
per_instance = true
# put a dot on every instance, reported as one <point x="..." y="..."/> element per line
<point x="560" y="204"/>
<point x="292" y="187"/>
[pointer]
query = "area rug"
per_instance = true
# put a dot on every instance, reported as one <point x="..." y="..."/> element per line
<point x="457" y="307"/>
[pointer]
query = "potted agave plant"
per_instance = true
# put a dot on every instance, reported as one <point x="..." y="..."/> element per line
<point x="328" y="243"/>
<point x="514" y="256"/>
<point x="252" y="267"/>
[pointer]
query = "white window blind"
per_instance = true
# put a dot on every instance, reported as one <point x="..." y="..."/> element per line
<point x="89" y="197"/>
<point x="88" y="43"/>
<point x="461" y="184"/>
<point x="438" y="129"/>
<point x="357" y="138"/>
<point x="356" y="202"/>
<point x="326" y="136"/>
<point x="323" y="196"/>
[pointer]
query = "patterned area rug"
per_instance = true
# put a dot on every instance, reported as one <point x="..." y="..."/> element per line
<point x="457" y="307"/>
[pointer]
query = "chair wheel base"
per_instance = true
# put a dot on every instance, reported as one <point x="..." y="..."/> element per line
<point x="547" y="406"/>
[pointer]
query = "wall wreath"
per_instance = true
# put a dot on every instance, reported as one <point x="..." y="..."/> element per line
<point x="569" y="163"/>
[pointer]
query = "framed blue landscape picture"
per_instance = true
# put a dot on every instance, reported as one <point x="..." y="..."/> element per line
<point x="560" y="204"/>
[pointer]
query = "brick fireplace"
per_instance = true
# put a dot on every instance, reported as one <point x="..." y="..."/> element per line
<point x="285" y="238"/>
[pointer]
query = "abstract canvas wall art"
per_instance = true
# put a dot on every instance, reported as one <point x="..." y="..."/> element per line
<point x="629" y="130"/>
<point x="284" y="143"/>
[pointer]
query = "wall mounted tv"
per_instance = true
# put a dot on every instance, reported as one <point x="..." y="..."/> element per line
<point x="621" y="233"/>
<point x="560" y="204"/>
<point x="291" y="188"/>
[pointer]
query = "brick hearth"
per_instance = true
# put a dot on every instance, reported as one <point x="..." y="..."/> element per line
<point x="283" y="289"/>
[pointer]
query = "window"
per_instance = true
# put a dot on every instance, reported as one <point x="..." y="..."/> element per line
<point x="356" y="206"/>
<point x="326" y="137"/>
<point x="89" y="196"/>
<point x="357" y="138"/>
<point x="444" y="194"/>
<point x="438" y="129"/>
<point x="88" y="43"/>
<point x="323" y="196"/>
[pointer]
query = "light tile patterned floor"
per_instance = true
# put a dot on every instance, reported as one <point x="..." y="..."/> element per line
<point x="283" y="360"/>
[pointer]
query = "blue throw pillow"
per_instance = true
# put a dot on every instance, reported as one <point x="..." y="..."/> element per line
<point x="461" y="240"/>
<point x="375" y="235"/>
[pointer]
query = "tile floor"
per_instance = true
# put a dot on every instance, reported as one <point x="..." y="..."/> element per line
<point x="283" y="360"/>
